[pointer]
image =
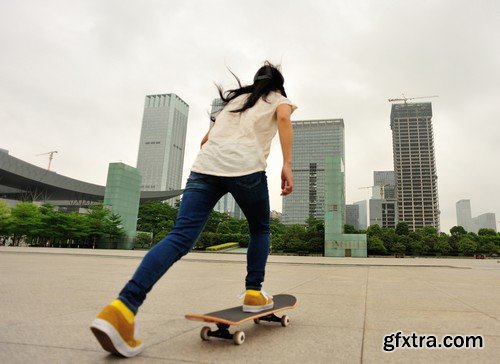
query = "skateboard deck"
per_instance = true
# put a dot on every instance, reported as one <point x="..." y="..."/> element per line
<point x="235" y="316"/>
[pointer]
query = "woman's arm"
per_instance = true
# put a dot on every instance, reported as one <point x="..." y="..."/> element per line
<point x="205" y="139"/>
<point x="283" y="113"/>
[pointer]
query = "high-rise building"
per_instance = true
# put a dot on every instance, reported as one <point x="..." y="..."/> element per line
<point x="464" y="215"/>
<point x="383" y="213"/>
<point x="227" y="203"/>
<point x="415" y="165"/>
<point x="383" y="201"/>
<point x="384" y="185"/>
<point x="362" y="221"/>
<point x="313" y="141"/>
<point x="352" y="215"/>
<point x="485" y="221"/>
<point x="473" y="224"/>
<point x="162" y="143"/>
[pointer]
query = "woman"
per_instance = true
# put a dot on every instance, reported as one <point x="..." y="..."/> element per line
<point x="232" y="159"/>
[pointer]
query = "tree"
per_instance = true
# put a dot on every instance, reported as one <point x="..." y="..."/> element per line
<point x="349" y="229"/>
<point x="402" y="229"/>
<point x="427" y="231"/>
<point x="162" y="233"/>
<point x="457" y="231"/>
<point x="56" y="226"/>
<point x="276" y="226"/>
<point x="26" y="221"/>
<point x="230" y="225"/>
<point x="486" y="232"/>
<point x="293" y="232"/>
<point x="418" y="248"/>
<point x="244" y="226"/>
<point x="489" y="248"/>
<point x="398" y="248"/>
<point x="214" y="219"/>
<point x="442" y="247"/>
<point x="79" y="229"/>
<point x="113" y="227"/>
<point x="376" y="246"/>
<point x="374" y="230"/>
<point x="143" y="240"/>
<point x="277" y="243"/>
<point x="316" y="244"/>
<point x="466" y="246"/>
<point x="315" y="225"/>
<point x="405" y="240"/>
<point x="4" y="221"/>
<point x="155" y="216"/>
<point x="295" y="245"/>
<point x="389" y="238"/>
<point x="430" y="241"/>
<point x="96" y="220"/>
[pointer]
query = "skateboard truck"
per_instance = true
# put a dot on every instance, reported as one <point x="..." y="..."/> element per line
<point x="222" y="332"/>
<point x="285" y="320"/>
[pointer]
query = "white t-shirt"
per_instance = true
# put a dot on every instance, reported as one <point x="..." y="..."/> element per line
<point x="239" y="143"/>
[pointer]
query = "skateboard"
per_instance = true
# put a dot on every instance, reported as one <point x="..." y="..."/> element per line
<point x="235" y="316"/>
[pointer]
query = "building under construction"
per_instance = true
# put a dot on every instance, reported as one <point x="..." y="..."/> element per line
<point x="415" y="164"/>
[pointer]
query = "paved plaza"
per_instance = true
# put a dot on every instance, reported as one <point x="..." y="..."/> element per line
<point x="48" y="298"/>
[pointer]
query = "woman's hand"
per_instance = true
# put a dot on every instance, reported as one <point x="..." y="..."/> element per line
<point x="286" y="180"/>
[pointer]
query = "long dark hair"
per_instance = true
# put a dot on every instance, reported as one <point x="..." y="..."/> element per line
<point x="268" y="78"/>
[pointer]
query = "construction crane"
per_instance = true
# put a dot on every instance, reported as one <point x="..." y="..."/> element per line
<point x="51" y="156"/>
<point x="405" y="99"/>
<point x="382" y="189"/>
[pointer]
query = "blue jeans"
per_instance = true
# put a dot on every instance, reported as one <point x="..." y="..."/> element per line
<point x="200" y="196"/>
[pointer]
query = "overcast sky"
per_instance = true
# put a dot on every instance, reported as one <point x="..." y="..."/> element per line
<point x="73" y="76"/>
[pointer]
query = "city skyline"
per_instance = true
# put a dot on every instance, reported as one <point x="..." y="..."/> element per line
<point x="74" y="78"/>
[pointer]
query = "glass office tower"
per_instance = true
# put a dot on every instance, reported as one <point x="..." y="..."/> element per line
<point x="313" y="141"/>
<point x="162" y="142"/>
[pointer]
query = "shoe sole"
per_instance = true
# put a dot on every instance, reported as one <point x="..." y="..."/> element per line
<point x="255" y="309"/>
<point x="111" y="340"/>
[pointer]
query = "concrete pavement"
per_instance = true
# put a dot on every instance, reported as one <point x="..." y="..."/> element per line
<point x="48" y="297"/>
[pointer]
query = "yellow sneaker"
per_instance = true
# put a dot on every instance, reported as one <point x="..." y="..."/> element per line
<point x="257" y="301"/>
<point x="114" y="328"/>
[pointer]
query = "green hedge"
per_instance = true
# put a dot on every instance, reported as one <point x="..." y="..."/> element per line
<point x="222" y="246"/>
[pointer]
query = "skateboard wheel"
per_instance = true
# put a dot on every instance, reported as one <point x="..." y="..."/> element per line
<point x="285" y="320"/>
<point x="204" y="333"/>
<point x="257" y="321"/>
<point x="239" y="337"/>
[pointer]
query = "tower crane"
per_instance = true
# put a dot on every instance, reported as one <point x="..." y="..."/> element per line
<point x="382" y="189"/>
<point x="365" y="188"/>
<point x="405" y="99"/>
<point x="51" y="156"/>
